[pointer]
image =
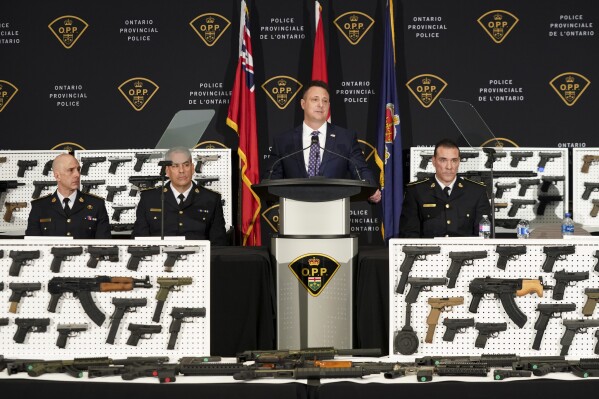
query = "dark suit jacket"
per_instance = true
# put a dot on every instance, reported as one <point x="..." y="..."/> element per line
<point x="199" y="218"/>
<point x="87" y="219"/>
<point x="427" y="212"/>
<point x="339" y="140"/>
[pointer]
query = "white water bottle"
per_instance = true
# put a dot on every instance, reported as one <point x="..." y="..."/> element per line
<point x="522" y="230"/>
<point x="568" y="225"/>
<point x="484" y="227"/>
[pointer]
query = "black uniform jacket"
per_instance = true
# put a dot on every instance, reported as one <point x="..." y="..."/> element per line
<point x="87" y="219"/>
<point x="200" y="217"/>
<point x="428" y="212"/>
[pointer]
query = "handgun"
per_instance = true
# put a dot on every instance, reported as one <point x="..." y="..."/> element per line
<point x="573" y="327"/>
<point x="549" y="180"/>
<point x="525" y="184"/>
<point x="112" y="190"/>
<point x="588" y="189"/>
<point x="179" y="316"/>
<point x="62" y="254"/>
<point x="556" y="253"/>
<point x="11" y="207"/>
<point x="595" y="209"/>
<point x="439" y="305"/>
<point x="456" y="326"/>
<point x="66" y="331"/>
<point x="115" y="163"/>
<point x="502" y="187"/>
<point x="519" y="203"/>
<point x="97" y="254"/>
<point x="86" y="162"/>
<point x="141" y="159"/>
<point x="47" y="167"/>
<point x="547" y="156"/>
<point x="492" y="157"/>
<point x="142" y="331"/>
<point x="173" y="254"/>
<point x="25" y="165"/>
<point x="563" y="279"/>
<point x="549" y="311"/>
<point x="418" y="284"/>
<point x="546" y="199"/>
<point x="41" y="185"/>
<point x="487" y="330"/>
<point x="165" y="286"/>
<point x="139" y="253"/>
<point x="425" y="159"/>
<point x="122" y="306"/>
<point x="25" y="326"/>
<point x="508" y="252"/>
<point x="142" y="183"/>
<point x="459" y="259"/>
<point x="413" y="253"/>
<point x="20" y="258"/>
<point x="592" y="299"/>
<point x="20" y="290"/>
<point x="87" y="185"/>
<point x="518" y="156"/>
<point x="118" y="209"/>
<point x="202" y="159"/>
<point x="587" y="160"/>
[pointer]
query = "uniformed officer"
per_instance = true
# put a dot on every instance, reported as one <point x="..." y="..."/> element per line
<point x="190" y="210"/>
<point x="68" y="211"/>
<point x="445" y="205"/>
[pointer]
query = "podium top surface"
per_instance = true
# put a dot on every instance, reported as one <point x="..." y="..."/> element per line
<point x="314" y="189"/>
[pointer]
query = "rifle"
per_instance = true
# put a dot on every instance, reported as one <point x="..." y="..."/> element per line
<point x="556" y="253"/>
<point x="202" y="159"/>
<point x="25" y="165"/>
<point x="25" y="326"/>
<point x="549" y="180"/>
<point x="140" y="253"/>
<point x="563" y="279"/>
<point x="89" y="184"/>
<point x="179" y="315"/>
<point x="97" y="254"/>
<point x="142" y="331"/>
<point x="505" y="290"/>
<point x="11" y="207"/>
<point x="319" y="353"/>
<point x="499" y="375"/>
<point x="493" y="157"/>
<point x="519" y="203"/>
<point x="412" y="253"/>
<point x="547" y="156"/>
<point x="456" y="326"/>
<point x="142" y="183"/>
<point x="86" y="162"/>
<point x="118" y="209"/>
<point x="545" y="199"/>
<point x="20" y="258"/>
<point x="501" y="188"/>
<point x="47" y="167"/>
<point x="518" y="156"/>
<point x="41" y="185"/>
<point x="112" y="190"/>
<point x="115" y="163"/>
<point x="459" y="259"/>
<point x="486" y="331"/>
<point x="573" y="327"/>
<point x="20" y="290"/>
<point x="77" y="366"/>
<point x="121" y="306"/>
<point x="82" y="288"/>
<point x="587" y="160"/>
<point x="165" y="286"/>
<point x="439" y="305"/>
<point x="592" y="299"/>
<point x="63" y="254"/>
<point x="66" y="331"/>
<point x="588" y="189"/>
<point x="548" y="311"/>
<point x="173" y="254"/>
<point x="508" y="252"/>
<point x="525" y="184"/>
<point x="418" y="284"/>
<point x="6" y="185"/>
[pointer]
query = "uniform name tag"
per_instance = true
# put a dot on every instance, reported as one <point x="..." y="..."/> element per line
<point x="429" y="205"/>
<point x="45" y="220"/>
<point x="155" y="210"/>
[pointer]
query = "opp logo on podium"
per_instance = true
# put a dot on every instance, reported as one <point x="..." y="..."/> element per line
<point x="314" y="271"/>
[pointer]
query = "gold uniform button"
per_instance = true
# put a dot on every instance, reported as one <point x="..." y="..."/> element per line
<point x="68" y="220"/>
<point x="447" y="206"/>
<point x="69" y="233"/>
<point x="449" y="222"/>
<point x="180" y="212"/>
<point x="180" y="224"/>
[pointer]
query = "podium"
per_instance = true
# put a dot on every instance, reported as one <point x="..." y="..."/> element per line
<point x="315" y="255"/>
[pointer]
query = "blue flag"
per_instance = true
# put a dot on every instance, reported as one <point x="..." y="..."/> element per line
<point x="389" y="155"/>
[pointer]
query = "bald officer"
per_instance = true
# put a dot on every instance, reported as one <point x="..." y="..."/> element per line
<point x="445" y="205"/>
<point x="190" y="210"/>
<point x="68" y="211"/>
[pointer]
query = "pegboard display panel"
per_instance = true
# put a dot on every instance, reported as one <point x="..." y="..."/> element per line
<point x="526" y="266"/>
<point x="585" y="181"/>
<point x="31" y="165"/>
<point x="194" y="334"/>
<point x="215" y="174"/>
<point x="555" y="165"/>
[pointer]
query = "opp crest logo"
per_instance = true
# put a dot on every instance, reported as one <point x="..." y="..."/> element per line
<point x="138" y="92"/>
<point x="68" y="29"/>
<point x="354" y="25"/>
<point x="314" y="271"/>
<point x="271" y="216"/>
<point x="426" y="88"/>
<point x="7" y="92"/>
<point x="281" y="90"/>
<point x="570" y="86"/>
<point x="210" y="27"/>
<point x="498" y="24"/>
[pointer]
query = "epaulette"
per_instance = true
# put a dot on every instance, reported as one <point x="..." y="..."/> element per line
<point x="95" y="196"/>
<point x="480" y="183"/>
<point x="412" y="183"/>
<point x="150" y="188"/>
<point x="45" y="196"/>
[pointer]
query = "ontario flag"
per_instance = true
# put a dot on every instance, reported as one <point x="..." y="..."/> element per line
<point x="389" y="151"/>
<point x="319" y="57"/>
<point x="242" y="118"/>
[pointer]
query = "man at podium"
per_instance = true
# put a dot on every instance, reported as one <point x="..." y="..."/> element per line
<point x="318" y="148"/>
<point x="445" y="205"/>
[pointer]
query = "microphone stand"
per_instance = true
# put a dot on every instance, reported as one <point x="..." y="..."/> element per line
<point x="315" y="141"/>
<point x="164" y="164"/>
<point x="272" y="168"/>
<point x="491" y="153"/>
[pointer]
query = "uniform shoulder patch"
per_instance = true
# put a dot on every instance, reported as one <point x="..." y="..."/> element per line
<point x="413" y="183"/>
<point x="480" y="183"/>
<point x="41" y="198"/>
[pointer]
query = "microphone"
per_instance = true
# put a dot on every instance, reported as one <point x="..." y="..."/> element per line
<point x="289" y="155"/>
<point x="315" y="141"/>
